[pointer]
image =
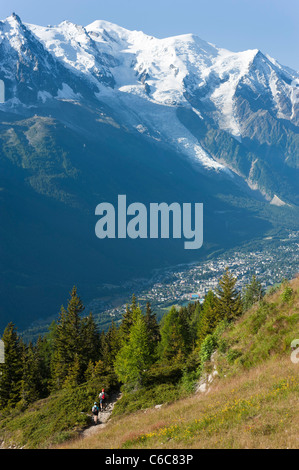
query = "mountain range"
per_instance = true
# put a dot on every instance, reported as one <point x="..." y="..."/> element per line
<point x="97" y="111"/>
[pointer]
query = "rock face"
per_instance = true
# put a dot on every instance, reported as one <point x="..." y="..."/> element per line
<point x="224" y="111"/>
<point x="206" y="380"/>
<point x="93" y="112"/>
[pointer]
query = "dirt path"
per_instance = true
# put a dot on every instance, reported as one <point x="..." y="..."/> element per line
<point x="103" y="417"/>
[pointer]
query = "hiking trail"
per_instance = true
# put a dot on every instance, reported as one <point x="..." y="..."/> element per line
<point x="103" y="417"/>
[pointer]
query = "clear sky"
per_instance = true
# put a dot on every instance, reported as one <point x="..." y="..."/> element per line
<point x="268" y="25"/>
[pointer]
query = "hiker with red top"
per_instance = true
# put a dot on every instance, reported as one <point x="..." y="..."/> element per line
<point x="102" y="398"/>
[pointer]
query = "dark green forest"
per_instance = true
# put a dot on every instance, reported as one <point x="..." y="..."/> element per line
<point x="137" y="354"/>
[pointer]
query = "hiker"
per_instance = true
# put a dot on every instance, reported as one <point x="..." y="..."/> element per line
<point x="95" y="412"/>
<point x="102" y="398"/>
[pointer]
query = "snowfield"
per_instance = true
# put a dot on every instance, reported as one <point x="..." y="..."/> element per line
<point x="147" y="79"/>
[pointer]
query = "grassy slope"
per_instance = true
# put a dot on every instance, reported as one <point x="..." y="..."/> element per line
<point x="50" y="421"/>
<point x="252" y="404"/>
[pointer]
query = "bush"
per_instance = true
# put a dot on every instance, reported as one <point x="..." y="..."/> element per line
<point x="189" y="380"/>
<point x="258" y="318"/>
<point x="162" y="373"/>
<point x="147" y="398"/>
<point x="208" y="346"/>
<point x="232" y="355"/>
<point x="287" y="294"/>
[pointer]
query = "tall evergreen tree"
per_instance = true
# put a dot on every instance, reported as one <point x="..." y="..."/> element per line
<point x="253" y="292"/>
<point x="135" y="356"/>
<point x="228" y="300"/>
<point x="42" y="355"/>
<point x="128" y="320"/>
<point x="69" y="347"/>
<point x="31" y="378"/>
<point x="12" y="369"/>
<point x="174" y="343"/>
<point x="110" y="344"/>
<point x="208" y="319"/>
<point x="193" y="320"/>
<point x="152" y="328"/>
<point x="74" y="375"/>
<point x="90" y="340"/>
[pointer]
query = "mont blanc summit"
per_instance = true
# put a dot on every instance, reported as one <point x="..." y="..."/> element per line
<point x="94" y="111"/>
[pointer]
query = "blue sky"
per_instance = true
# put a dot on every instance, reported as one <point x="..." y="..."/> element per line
<point x="269" y="25"/>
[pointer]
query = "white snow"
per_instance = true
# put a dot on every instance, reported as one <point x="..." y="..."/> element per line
<point x="276" y="201"/>
<point x="44" y="95"/>
<point x="151" y="78"/>
<point x="67" y="93"/>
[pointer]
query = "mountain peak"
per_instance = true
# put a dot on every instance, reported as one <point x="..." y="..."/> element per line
<point x="14" y="18"/>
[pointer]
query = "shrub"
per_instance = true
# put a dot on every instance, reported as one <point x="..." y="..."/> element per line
<point x="287" y="294"/>
<point x="189" y="380"/>
<point x="161" y="373"/>
<point x="208" y="346"/>
<point x="232" y="355"/>
<point x="147" y="398"/>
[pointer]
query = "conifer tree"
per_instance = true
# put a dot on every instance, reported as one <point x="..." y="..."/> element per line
<point x="208" y="319"/>
<point x="95" y="372"/>
<point x="152" y="327"/>
<point x="194" y="318"/>
<point x="31" y="382"/>
<point x="90" y="340"/>
<point x="12" y="369"/>
<point x="228" y="300"/>
<point x="88" y="374"/>
<point x="43" y="352"/>
<point x="110" y="344"/>
<point x="128" y="320"/>
<point x="135" y="356"/>
<point x="68" y="341"/>
<point x="126" y="324"/>
<point x="174" y="343"/>
<point x="253" y="293"/>
<point x="73" y="377"/>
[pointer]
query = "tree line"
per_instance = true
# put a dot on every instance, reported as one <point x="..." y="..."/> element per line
<point x="74" y="351"/>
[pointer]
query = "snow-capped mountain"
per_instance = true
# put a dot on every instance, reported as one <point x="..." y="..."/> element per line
<point x="96" y="111"/>
<point x="147" y="80"/>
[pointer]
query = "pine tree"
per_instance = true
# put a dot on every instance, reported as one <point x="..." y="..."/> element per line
<point x="133" y="302"/>
<point x="12" y="369"/>
<point x="194" y="318"/>
<point x="174" y="343"/>
<point x="31" y="378"/>
<point x="88" y="374"/>
<point x="69" y="341"/>
<point x="43" y="352"/>
<point x="135" y="355"/>
<point x="90" y="340"/>
<point x="95" y="371"/>
<point x="128" y="320"/>
<point x="228" y="300"/>
<point x="152" y="324"/>
<point x="126" y="324"/>
<point x="110" y="344"/>
<point x="99" y="371"/>
<point x="253" y="293"/>
<point x="209" y="318"/>
<point x="74" y="376"/>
